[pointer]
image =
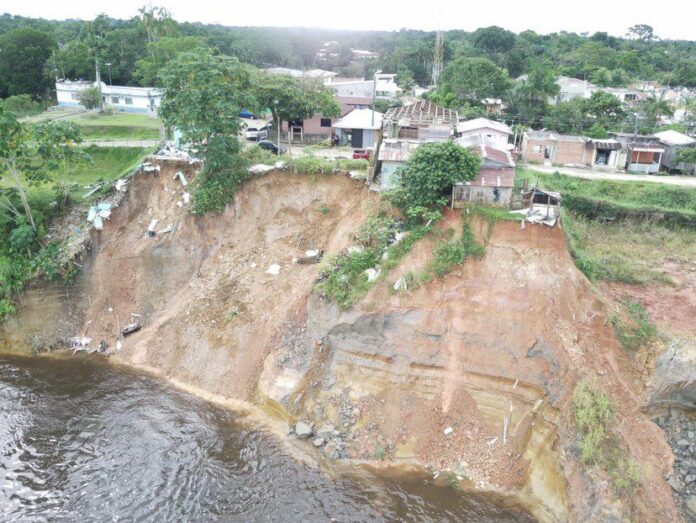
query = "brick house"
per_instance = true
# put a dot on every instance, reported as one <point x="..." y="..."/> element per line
<point x="557" y="149"/>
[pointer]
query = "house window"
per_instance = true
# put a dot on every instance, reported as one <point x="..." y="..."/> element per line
<point x="129" y="101"/>
<point x="115" y="99"/>
<point x="103" y="99"/>
<point x="537" y="149"/>
<point x="325" y="122"/>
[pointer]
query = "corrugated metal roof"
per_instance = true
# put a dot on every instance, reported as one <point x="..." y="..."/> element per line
<point x="397" y="150"/>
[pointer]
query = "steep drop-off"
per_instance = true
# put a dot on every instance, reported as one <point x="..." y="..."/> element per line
<point x="501" y="342"/>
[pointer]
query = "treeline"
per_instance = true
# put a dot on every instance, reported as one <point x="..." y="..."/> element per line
<point x="486" y="63"/>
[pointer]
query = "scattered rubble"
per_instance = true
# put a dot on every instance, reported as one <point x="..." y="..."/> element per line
<point x="303" y="430"/>
<point x="311" y="256"/>
<point x="273" y="270"/>
<point x="681" y="435"/>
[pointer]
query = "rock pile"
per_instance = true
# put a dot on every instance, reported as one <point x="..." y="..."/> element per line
<point x="681" y="435"/>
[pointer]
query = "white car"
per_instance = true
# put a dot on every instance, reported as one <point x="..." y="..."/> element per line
<point x="259" y="132"/>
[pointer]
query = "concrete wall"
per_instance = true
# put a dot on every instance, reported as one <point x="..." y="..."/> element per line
<point x="482" y="195"/>
<point x="491" y="136"/>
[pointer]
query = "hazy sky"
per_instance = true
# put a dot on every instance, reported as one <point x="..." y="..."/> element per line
<point x="670" y="19"/>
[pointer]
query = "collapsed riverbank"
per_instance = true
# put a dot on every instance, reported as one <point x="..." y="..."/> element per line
<point x="492" y="352"/>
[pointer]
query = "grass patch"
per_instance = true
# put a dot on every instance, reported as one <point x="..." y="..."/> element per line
<point x="106" y="164"/>
<point x="344" y="279"/>
<point x="627" y="251"/>
<point x="618" y="200"/>
<point x="312" y="165"/>
<point x="446" y="256"/>
<point x="120" y="126"/>
<point x="633" y="328"/>
<point x="599" y="446"/>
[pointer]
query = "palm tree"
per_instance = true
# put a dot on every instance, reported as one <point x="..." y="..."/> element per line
<point x="654" y="108"/>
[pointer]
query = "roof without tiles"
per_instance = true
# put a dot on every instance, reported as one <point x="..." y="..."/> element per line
<point x="421" y="113"/>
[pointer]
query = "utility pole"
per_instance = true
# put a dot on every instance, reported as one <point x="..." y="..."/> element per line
<point x="439" y="57"/>
<point x="97" y="80"/>
<point x="374" y="94"/>
<point x="108" y="64"/>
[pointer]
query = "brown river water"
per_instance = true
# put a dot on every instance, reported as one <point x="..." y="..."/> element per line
<point x="82" y="440"/>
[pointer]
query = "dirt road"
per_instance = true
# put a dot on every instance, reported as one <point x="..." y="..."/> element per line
<point x="684" y="181"/>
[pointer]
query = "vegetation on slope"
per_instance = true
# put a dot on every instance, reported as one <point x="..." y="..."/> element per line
<point x="599" y="444"/>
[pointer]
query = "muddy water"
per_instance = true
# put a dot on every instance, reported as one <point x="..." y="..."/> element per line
<point x="83" y="441"/>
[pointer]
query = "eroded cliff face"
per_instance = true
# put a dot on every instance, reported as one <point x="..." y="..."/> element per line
<point x="492" y="352"/>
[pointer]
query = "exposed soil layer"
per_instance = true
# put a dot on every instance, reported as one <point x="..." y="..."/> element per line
<point x="501" y="342"/>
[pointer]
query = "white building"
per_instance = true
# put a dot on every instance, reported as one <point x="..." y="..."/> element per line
<point x="483" y="130"/>
<point x="359" y="128"/>
<point x="128" y="99"/>
<point x="383" y="86"/>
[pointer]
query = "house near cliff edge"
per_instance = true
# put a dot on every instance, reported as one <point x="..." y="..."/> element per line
<point x="403" y="130"/>
<point x="495" y="182"/>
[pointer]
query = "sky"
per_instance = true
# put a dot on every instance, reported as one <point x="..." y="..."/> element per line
<point x="542" y="16"/>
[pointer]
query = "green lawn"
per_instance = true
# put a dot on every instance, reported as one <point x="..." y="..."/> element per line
<point x="106" y="165"/>
<point x="119" y="126"/>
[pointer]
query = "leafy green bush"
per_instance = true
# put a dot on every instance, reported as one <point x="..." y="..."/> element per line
<point x="214" y="191"/>
<point x="23" y="105"/>
<point x="350" y="164"/>
<point x="428" y="176"/>
<point x="311" y="165"/>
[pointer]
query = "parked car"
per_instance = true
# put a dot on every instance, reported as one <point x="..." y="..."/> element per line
<point x="272" y="147"/>
<point x="257" y="133"/>
<point x="361" y="154"/>
<point x="249" y="115"/>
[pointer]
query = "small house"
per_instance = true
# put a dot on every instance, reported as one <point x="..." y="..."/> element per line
<point x="359" y="128"/>
<point x="674" y="142"/>
<point x="494" y="133"/>
<point x="495" y="182"/>
<point x="393" y="153"/>
<point x="639" y="153"/>
<point x="557" y="149"/>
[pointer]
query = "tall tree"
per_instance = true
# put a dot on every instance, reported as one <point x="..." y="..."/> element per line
<point x="23" y="53"/>
<point x="473" y="79"/>
<point x="159" y="53"/>
<point x="291" y="98"/>
<point x="204" y="94"/>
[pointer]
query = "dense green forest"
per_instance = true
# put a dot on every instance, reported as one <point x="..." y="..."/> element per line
<point x="34" y="51"/>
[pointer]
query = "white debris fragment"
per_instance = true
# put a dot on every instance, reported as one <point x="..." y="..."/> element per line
<point x="400" y="284"/>
<point x="448" y="431"/>
<point x="186" y="196"/>
<point x="372" y="274"/>
<point x="312" y="253"/>
<point x="253" y="265"/>
<point x="121" y="184"/>
<point x="355" y="249"/>
<point x="273" y="270"/>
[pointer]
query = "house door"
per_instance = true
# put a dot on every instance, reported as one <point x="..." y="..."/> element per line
<point x="356" y="138"/>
